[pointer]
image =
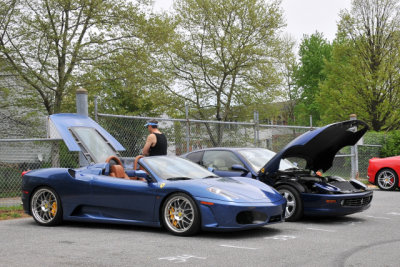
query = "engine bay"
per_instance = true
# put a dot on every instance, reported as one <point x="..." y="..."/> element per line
<point x="314" y="183"/>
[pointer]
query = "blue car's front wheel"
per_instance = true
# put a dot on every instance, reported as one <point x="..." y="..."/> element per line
<point x="180" y="215"/>
<point x="294" y="205"/>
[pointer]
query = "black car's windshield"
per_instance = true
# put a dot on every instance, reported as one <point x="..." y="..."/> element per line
<point x="174" y="168"/>
<point x="258" y="157"/>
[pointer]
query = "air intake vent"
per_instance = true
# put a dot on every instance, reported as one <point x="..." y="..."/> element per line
<point x="251" y="217"/>
<point x="356" y="202"/>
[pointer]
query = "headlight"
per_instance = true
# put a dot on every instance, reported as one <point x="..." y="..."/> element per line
<point x="218" y="191"/>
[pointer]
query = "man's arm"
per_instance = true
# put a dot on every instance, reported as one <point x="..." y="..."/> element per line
<point x="151" y="140"/>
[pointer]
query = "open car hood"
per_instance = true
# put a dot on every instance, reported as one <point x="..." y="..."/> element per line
<point x="319" y="147"/>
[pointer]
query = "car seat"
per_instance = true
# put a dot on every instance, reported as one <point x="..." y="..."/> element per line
<point x="118" y="172"/>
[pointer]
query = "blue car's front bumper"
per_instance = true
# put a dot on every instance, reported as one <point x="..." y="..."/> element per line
<point x="336" y="204"/>
<point x="223" y="215"/>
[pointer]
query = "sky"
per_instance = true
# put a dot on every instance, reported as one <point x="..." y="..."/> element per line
<point x="302" y="16"/>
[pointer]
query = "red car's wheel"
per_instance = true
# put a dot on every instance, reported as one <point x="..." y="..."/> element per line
<point x="387" y="179"/>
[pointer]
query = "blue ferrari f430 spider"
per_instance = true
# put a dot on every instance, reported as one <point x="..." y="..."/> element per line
<point x="157" y="191"/>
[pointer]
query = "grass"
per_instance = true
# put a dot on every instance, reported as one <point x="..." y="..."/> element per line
<point x="364" y="181"/>
<point x="12" y="212"/>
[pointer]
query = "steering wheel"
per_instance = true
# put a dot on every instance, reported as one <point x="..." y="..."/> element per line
<point x="115" y="159"/>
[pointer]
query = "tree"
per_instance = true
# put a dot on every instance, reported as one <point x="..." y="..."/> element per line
<point x="314" y="50"/>
<point x="289" y="67"/>
<point x="14" y="121"/>
<point x="49" y="43"/>
<point x="224" y="55"/>
<point x="130" y="80"/>
<point x="364" y="74"/>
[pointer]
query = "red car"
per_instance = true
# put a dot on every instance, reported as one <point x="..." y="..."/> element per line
<point x="384" y="172"/>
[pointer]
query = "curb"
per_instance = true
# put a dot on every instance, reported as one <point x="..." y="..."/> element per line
<point x="373" y="187"/>
<point x="7" y="202"/>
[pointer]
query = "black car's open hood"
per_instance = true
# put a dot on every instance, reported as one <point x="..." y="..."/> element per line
<point x="319" y="147"/>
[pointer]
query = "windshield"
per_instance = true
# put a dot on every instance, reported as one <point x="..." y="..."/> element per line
<point x="167" y="167"/>
<point x="258" y="157"/>
<point x="95" y="144"/>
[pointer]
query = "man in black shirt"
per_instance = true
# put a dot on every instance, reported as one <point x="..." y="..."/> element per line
<point x="156" y="142"/>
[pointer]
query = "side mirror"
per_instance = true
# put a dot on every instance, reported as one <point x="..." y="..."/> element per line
<point x="237" y="167"/>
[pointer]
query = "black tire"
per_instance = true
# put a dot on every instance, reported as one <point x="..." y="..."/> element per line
<point x="180" y="215"/>
<point x="294" y="206"/>
<point x="46" y="207"/>
<point x="387" y="179"/>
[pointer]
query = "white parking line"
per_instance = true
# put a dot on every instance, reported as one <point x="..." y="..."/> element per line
<point x="375" y="217"/>
<point x="393" y="213"/>
<point x="181" y="258"/>
<point x="281" y="237"/>
<point x="352" y="223"/>
<point x="230" y="246"/>
<point x="319" y="229"/>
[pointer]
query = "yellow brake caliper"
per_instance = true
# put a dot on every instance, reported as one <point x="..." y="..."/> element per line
<point x="172" y="217"/>
<point x="54" y="209"/>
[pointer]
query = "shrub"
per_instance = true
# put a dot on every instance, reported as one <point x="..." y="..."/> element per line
<point x="391" y="146"/>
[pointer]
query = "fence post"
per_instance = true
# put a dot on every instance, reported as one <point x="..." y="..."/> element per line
<point x="187" y="128"/>
<point x="256" y="129"/>
<point x="82" y="109"/>
<point x="354" y="155"/>
<point x="95" y="109"/>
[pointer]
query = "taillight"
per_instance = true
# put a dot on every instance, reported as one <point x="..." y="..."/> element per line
<point x="25" y="172"/>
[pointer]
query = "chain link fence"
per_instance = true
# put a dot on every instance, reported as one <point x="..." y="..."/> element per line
<point x="188" y="135"/>
<point x="19" y="155"/>
<point x="342" y="163"/>
<point x="183" y="136"/>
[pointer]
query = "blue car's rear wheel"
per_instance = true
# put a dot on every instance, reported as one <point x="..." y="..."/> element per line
<point x="180" y="215"/>
<point x="46" y="207"/>
<point x="387" y="179"/>
<point x="294" y="205"/>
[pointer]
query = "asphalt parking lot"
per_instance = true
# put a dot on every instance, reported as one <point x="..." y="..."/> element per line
<point x="370" y="238"/>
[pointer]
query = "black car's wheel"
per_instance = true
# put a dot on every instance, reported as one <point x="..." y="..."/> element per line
<point x="46" y="207"/>
<point x="387" y="179"/>
<point x="180" y="215"/>
<point x="294" y="206"/>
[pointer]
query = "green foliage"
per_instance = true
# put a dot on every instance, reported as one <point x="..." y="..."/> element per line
<point x="375" y="138"/>
<point x="314" y="51"/>
<point x="11" y="212"/>
<point x="54" y="45"/>
<point x="392" y="144"/>
<point x="223" y="56"/>
<point x="130" y="133"/>
<point x="129" y="81"/>
<point x="222" y="52"/>
<point x="363" y="75"/>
